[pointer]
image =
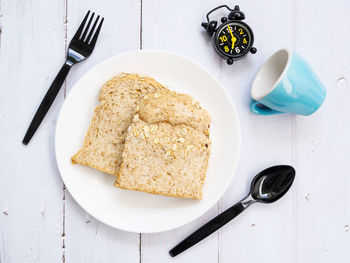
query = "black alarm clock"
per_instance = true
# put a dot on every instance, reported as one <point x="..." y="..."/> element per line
<point x="233" y="39"/>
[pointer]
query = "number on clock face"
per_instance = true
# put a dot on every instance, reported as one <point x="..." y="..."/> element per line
<point x="233" y="39"/>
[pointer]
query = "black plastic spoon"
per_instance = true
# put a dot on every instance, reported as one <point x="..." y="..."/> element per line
<point x="267" y="187"/>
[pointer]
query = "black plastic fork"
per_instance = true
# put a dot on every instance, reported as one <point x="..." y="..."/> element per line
<point x="79" y="49"/>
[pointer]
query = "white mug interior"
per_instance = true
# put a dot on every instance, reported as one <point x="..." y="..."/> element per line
<point x="270" y="74"/>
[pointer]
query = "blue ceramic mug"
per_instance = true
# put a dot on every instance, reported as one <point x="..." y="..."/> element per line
<point x="286" y="83"/>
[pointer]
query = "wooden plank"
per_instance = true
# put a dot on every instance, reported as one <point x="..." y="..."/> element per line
<point x="31" y="53"/>
<point x="266" y="141"/>
<point x="176" y="26"/>
<point x="322" y="143"/>
<point x="86" y="239"/>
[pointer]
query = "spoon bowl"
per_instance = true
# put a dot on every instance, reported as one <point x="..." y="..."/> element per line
<point x="272" y="183"/>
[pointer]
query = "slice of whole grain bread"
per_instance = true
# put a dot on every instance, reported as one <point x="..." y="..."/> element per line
<point x="104" y="141"/>
<point x="167" y="148"/>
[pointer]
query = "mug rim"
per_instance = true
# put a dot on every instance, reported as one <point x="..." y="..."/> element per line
<point x="286" y="66"/>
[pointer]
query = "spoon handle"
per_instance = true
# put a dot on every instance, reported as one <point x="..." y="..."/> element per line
<point x="207" y="229"/>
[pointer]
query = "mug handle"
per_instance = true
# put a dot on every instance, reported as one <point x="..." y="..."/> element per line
<point x="259" y="108"/>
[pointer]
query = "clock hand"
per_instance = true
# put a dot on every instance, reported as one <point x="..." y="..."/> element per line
<point x="233" y="42"/>
<point x="233" y="39"/>
<point x="229" y="29"/>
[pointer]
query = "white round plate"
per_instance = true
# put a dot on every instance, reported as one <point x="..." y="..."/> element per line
<point x="131" y="210"/>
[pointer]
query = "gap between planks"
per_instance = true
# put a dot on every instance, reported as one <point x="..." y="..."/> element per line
<point x="293" y="141"/>
<point x="140" y="235"/>
<point x="65" y="31"/>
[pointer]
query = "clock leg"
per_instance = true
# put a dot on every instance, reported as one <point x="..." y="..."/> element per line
<point x="253" y="50"/>
<point x="230" y="61"/>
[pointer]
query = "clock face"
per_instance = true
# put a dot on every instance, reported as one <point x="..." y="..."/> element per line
<point x="233" y="39"/>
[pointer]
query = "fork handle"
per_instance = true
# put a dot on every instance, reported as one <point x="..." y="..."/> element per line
<point x="47" y="101"/>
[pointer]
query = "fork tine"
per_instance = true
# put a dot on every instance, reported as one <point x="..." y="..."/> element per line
<point x="87" y="27"/>
<point x="80" y="29"/>
<point x="94" y="39"/>
<point x="92" y="30"/>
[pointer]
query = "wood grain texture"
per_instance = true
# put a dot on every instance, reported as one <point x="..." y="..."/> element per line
<point x="266" y="141"/>
<point x="86" y="239"/>
<point x="323" y="146"/>
<point x="175" y="26"/>
<point x="39" y="220"/>
<point x="31" y="52"/>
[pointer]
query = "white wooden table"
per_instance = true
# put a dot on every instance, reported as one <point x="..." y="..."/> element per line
<point x="39" y="221"/>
